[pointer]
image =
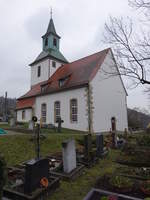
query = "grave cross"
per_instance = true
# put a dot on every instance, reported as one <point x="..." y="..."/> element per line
<point x="59" y="121"/>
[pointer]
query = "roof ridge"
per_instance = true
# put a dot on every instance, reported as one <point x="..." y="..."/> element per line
<point x="89" y="55"/>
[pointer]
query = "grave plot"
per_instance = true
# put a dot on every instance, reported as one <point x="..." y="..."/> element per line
<point x="32" y="183"/>
<point x="69" y="169"/>
<point x="134" y="156"/>
<point x="122" y="185"/>
<point x="139" y="173"/>
<point x="89" y="156"/>
<point x="31" y="180"/>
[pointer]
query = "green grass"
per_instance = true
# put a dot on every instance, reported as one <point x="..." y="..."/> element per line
<point x="19" y="148"/>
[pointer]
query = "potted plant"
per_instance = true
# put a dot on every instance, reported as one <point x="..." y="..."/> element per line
<point x="121" y="183"/>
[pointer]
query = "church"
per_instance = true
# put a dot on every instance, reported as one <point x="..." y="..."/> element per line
<point x="83" y="93"/>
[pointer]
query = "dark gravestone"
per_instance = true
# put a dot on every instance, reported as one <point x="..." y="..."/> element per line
<point x="87" y="146"/>
<point x="59" y="121"/>
<point x="35" y="170"/>
<point x="99" y="144"/>
<point x="114" y="139"/>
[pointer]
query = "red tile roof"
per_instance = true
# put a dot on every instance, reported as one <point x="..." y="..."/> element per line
<point x="79" y="73"/>
<point x="25" y="103"/>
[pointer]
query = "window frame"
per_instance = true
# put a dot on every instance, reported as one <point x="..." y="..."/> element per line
<point x="23" y="114"/>
<point x="57" y="110"/>
<point x="44" y="112"/>
<point x="53" y="64"/>
<point x="74" y="110"/>
<point x="39" y="71"/>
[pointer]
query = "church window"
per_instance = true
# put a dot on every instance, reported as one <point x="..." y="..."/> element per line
<point x="55" y="42"/>
<point x="73" y="110"/>
<point x="54" y="64"/>
<point x="56" y="110"/>
<point x="23" y="114"/>
<point x="39" y="71"/>
<point x="46" y="41"/>
<point x="43" y="112"/>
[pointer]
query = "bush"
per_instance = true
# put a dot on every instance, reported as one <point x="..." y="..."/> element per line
<point x="3" y="174"/>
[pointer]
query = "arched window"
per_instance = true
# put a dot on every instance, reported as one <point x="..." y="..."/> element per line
<point x="56" y="110"/>
<point x="55" y="42"/>
<point x="43" y="112"/>
<point x="73" y="110"/>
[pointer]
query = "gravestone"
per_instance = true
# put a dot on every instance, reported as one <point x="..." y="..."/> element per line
<point x="114" y="138"/>
<point x="69" y="155"/>
<point x="35" y="170"/>
<point x="87" y="145"/>
<point x="31" y="125"/>
<point x="99" y="144"/>
<point x="12" y="122"/>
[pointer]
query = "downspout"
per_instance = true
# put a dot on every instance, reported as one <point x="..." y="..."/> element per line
<point x="48" y="68"/>
<point x="89" y="108"/>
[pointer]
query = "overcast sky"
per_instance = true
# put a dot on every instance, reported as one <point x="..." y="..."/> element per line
<point x="80" y="23"/>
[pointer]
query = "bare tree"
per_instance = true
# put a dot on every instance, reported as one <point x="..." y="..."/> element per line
<point x="144" y="4"/>
<point x="131" y="45"/>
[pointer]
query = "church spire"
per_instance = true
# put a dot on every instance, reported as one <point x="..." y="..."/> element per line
<point x="51" y="27"/>
<point x="51" y="38"/>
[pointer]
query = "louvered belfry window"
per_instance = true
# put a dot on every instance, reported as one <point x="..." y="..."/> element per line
<point x="43" y="112"/>
<point x="73" y="110"/>
<point x="56" y="110"/>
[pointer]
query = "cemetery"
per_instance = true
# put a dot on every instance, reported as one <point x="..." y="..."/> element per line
<point x="73" y="164"/>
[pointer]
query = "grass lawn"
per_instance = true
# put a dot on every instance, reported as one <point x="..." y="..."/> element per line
<point x="19" y="148"/>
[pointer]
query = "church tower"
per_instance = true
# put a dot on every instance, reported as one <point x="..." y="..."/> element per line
<point x="50" y="59"/>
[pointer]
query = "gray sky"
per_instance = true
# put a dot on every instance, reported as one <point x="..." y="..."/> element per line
<point x="80" y="23"/>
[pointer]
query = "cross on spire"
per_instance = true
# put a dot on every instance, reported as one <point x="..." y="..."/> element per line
<point x="51" y="13"/>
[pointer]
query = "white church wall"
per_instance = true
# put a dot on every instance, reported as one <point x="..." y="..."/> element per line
<point x="64" y="98"/>
<point x="109" y="98"/>
<point x="28" y="115"/>
<point x="46" y="71"/>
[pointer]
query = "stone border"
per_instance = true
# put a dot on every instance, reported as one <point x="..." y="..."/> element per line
<point x="70" y="176"/>
<point x="90" y="195"/>
<point x="15" y="195"/>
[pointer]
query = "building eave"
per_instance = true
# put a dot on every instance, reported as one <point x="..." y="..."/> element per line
<point x="48" y="56"/>
<point x="57" y="91"/>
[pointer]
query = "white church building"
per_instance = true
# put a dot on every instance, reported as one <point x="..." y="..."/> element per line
<point x="83" y="93"/>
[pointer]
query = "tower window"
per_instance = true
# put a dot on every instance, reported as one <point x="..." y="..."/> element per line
<point x="46" y="41"/>
<point x="54" y="64"/>
<point x="23" y="114"/>
<point x="55" y="42"/>
<point x="39" y="71"/>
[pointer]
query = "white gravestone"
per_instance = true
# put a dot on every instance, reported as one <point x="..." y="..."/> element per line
<point x="69" y="155"/>
<point x="12" y="122"/>
<point x="31" y="125"/>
